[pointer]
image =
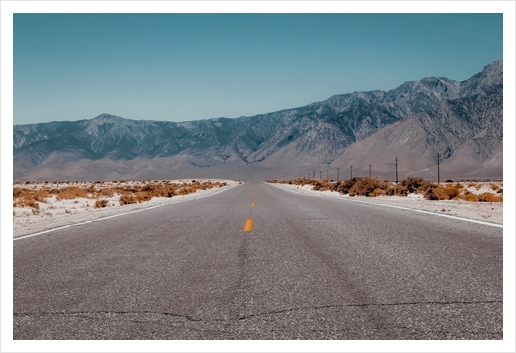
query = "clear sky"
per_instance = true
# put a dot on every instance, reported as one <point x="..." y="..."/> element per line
<point x="180" y="67"/>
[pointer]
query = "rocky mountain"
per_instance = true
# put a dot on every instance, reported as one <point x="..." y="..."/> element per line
<point x="463" y="121"/>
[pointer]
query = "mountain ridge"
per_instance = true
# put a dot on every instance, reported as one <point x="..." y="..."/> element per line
<point x="318" y="134"/>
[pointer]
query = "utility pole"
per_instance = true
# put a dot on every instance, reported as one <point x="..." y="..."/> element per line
<point x="313" y="177"/>
<point x="351" y="172"/>
<point x="320" y="175"/>
<point x="338" y="174"/>
<point x="396" y="169"/>
<point x="438" y="172"/>
<point x="327" y="178"/>
<point x="369" y="170"/>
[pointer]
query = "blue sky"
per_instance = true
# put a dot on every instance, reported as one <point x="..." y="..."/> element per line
<point x="180" y="67"/>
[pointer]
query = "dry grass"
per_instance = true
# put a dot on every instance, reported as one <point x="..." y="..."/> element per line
<point x="26" y="196"/>
<point x="493" y="187"/>
<point x="488" y="197"/>
<point x="470" y="197"/>
<point x="101" y="203"/>
<point x="70" y="193"/>
<point x="372" y="187"/>
<point x="369" y="187"/>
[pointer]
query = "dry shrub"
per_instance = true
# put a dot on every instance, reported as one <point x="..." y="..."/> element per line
<point x="24" y="202"/>
<point x="378" y="192"/>
<point x="101" y="203"/>
<point x="448" y="192"/>
<point x="91" y="189"/>
<point x="499" y="191"/>
<point x="23" y="197"/>
<point x="127" y="199"/>
<point x="368" y="187"/>
<point x="142" y="196"/>
<point x="41" y="195"/>
<point x="343" y="187"/>
<point x="493" y="186"/>
<point x="436" y="193"/>
<point x="170" y="190"/>
<point x="488" y="197"/>
<point x="17" y="192"/>
<point x="452" y="191"/>
<point x="320" y="185"/>
<point x="71" y="192"/>
<point x="107" y="192"/>
<point x="410" y="185"/>
<point x="470" y="197"/>
<point x="185" y="190"/>
<point x="416" y="185"/>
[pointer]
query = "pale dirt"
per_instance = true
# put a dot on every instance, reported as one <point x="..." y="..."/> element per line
<point x="53" y="214"/>
<point x="491" y="212"/>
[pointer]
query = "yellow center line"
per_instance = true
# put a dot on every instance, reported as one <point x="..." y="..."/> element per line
<point x="248" y="226"/>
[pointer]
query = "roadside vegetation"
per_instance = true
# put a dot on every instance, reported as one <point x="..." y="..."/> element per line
<point x="32" y="194"/>
<point x="371" y="187"/>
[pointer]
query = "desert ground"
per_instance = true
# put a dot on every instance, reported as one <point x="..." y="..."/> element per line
<point x="491" y="212"/>
<point x="107" y="199"/>
<point x="65" y="203"/>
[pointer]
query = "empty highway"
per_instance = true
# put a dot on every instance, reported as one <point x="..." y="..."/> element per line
<point x="260" y="262"/>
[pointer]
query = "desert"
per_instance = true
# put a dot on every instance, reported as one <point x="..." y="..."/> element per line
<point x="39" y="207"/>
<point x="470" y="203"/>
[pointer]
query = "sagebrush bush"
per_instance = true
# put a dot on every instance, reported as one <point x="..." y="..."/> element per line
<point x="488" y="197"/>
<point x="127" y="199"/>
<point x="71" y="192"/>
<point x="470" y="197"/>
<point x="493" y="186"/>
<point x="101" y="203"/>
<point x="448" y="192"/>
<point x="366" y="187"/>
<point x="343" y="187"/>
<point x="24" y="197"/>
<point x="436" y="193"/>
<point x="413" y="185"/>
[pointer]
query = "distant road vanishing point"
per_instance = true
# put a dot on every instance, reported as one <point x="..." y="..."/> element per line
<point x="260" y="262"/>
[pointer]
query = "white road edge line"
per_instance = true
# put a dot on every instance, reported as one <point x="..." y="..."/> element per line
<point x="400" y="207"/>
<point x="43" y="232"/>
<point x="119" y="214"/>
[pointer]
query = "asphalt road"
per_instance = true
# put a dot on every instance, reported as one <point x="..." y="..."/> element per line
<point x="310" y="268"/>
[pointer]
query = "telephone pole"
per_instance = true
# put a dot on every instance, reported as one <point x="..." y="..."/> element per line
<point x="397" y="169"/>
<point x="338" y="169"/>
<point x="438" y="172"/>
<point x="369" y="170"/>
<point x="351" y="172"/>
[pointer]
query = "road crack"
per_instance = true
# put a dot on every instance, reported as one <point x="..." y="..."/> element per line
<point x="245" y="317"/>
<point x="77" y="313"/>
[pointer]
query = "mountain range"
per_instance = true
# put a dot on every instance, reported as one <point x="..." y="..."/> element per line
<point x="354" y="132"/>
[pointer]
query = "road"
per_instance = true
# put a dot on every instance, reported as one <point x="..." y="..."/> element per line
<point x="306" y="267"/>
